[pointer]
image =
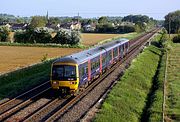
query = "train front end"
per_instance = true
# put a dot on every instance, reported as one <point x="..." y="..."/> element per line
<point x="65" y="77"/>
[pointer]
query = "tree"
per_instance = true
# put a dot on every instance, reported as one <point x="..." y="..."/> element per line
<point x="137" y="18"/>
<point x="103" y="20"/>
<point x="19" y="20"/>
<point x="38" y="21"/>
<point x="22" y="37"/>
<point x="105" y="28"/>
<point x="163" y="38"/>
<point x="176" y="39"/>
<point x="38" y="35"/>
<point x="41" y="35"/>
<point x="67" y="37"/>
<point x="54" y="20"/>
<point x="172" y="21"/>
<point x="4" y="32"/>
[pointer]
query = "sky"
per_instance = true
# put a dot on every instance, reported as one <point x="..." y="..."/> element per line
<point x="90" y="8"/>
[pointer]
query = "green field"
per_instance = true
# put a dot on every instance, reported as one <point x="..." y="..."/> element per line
<point x="17" y="82"/>
<point x="173" y="84"/>
<point x="131" y="100"/>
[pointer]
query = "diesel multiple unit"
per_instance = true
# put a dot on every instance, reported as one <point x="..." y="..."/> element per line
<point x="76" y="71"/>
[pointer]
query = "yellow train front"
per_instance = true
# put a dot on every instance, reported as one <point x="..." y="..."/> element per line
<point x="65" y="76"/>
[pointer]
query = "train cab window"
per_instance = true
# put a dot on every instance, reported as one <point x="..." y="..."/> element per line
<point x="62" y="72"/>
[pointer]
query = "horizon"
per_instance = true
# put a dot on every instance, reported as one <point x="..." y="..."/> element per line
<point x="71" y="15"/>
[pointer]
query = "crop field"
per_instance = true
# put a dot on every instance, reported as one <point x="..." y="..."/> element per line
<point x="173" y="84"/>
<point x="17" y="57"/>
<point x="13" y="57"/>
<point x="89" y="39"/>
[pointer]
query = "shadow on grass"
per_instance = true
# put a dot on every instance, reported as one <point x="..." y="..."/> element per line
<point x="150" y="97"/>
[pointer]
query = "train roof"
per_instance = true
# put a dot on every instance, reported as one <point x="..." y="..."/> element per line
<point x="83" y="56"/>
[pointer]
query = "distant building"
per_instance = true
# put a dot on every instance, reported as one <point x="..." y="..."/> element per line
<point x="53" y="26"/>
<point x="89" y="27"/>
<point x="71" y="26"/>
<point x="20" y="26"/>
<point x="75" y="26"/>
<point x="65" y="25"/>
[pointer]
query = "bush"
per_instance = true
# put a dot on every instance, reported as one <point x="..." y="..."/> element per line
<point x="67" y="37"/>
<point x="105" y="28"/>
<point x="22" y="37"/>
<point x="108" y="28"/>
<point x="4" y="32"/>
<point x="126" y="29"/>
<point x="163" y="38"/>
<point x="41" y="35"/>
<point x="38" y="35"/>
<point x="176" y="39"/>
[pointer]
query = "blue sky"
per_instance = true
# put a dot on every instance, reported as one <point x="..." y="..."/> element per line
<point x="91" y="8"/>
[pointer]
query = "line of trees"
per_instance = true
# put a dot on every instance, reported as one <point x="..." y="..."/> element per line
<point x="36" y="32"/>
<point x="43" y="35"/>
<point x="172" y="22"/>
<point x="138" y="23"/>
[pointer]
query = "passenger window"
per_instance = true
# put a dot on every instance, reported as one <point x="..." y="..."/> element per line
<point x="86" y="69"/>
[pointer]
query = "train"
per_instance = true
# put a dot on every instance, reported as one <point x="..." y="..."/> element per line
<point x="72" y="73"/>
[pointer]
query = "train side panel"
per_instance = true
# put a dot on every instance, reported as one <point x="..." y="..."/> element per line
<point x="83" y="73"/>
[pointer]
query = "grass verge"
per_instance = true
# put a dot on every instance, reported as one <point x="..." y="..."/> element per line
<point x="128" y="99"/>
<point x="173" y="84"/>
<point x="21" y="80"/>
<point x="155" y="111"/>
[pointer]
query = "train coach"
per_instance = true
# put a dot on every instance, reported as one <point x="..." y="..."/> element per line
<point x="74" y="72"/>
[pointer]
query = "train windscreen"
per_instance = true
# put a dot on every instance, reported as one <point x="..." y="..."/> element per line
<point x="63" y="72"/>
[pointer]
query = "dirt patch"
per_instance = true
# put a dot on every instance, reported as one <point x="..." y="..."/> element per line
<point x="12" y="57"/>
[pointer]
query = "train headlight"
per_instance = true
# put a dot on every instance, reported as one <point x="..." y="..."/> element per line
<point x="54" y="82"/>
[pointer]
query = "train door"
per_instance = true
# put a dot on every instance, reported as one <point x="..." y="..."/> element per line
<point x="83" y="72"/>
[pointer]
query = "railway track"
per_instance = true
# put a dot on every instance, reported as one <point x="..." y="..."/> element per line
<point x="10" y="106"/>
<point x="54" y="109"/>
<point x="62" y="116"/>
<point x="61" y="111"/>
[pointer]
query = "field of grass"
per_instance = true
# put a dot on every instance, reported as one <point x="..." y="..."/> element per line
<point x="173" y="84"/>
<point x="90" y="39"/>
<point x="19" y="81"/>
<point x="13" y="57"/>
<point x="129" y="99"/>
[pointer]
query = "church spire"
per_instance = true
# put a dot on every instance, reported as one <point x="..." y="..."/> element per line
<point x="47" y="16"/>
